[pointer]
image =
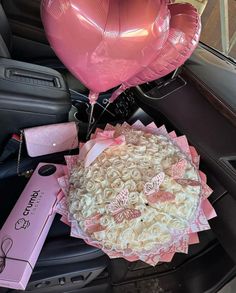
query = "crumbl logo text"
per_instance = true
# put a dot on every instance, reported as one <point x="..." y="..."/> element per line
<point x="33" y="203"/>
<point x="30" y="209"/>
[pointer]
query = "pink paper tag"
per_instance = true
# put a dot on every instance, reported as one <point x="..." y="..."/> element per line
<point x="167" y="257"/>
<point x="182" y="142"/>
<point x="208" y="209"/>
<point x="138" y="125"/>
<point x="162" y="130"/>
<point x="65" y="221"/>
<point x="195" y="157"/>
<point x="193" y="238"/>
<point x="71" y="161"/>
<point x="64" y="184"/>
<point x="172" y="134"/>
<point x="200" y="223"/>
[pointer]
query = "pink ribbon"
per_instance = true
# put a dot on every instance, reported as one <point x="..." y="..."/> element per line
<point x="93" y="148"/>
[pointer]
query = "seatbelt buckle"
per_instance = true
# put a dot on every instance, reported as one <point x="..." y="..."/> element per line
<point x="11" y="148"/>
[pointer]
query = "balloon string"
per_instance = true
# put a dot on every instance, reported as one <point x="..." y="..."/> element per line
<point x="93" y="97"/>
<point x="100" y="116"/>
<point x="114" y="96"/>
<point x="92" y="100"/>
<point x="118" y="92"/>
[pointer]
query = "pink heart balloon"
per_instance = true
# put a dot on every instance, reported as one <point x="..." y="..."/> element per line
<point x="184" y="34"/>
<point x="105" y="42"/>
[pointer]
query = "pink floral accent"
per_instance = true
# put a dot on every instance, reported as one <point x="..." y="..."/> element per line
<point x="165" y="196"/>
<point x="126" y="214"/>
<point x="160" y="196"/>
<point x="120" y="201"/>
<point x="154" y="186"/>
<point x="119" y="208"/>
<point x="178" y="169"/>
<point x="153" y="193"/>
<point x="185" y="182"/>
<point x="92" y="224"/>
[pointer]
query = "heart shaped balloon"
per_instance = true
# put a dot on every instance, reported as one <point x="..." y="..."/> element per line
<point x="184" y="34"/>
<point x="105" y="42"/>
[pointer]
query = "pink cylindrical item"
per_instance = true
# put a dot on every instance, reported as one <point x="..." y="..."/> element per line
<point x="105" y="42"/>
<point x="184" y="34"/>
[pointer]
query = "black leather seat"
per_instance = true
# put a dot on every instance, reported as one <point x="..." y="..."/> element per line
<point x="5" y="35"/>
<point x="73" y="256"/>
<point x="6" y="49"/>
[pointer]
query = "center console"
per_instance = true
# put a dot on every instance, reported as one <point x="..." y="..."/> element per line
<point x="30" y="95"/>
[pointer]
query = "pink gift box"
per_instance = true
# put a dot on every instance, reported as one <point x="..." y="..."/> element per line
<point x="26" y="228"/>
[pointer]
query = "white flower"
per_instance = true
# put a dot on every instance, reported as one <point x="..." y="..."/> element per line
<point x="124" y="157"/>
<point x="146" y="163"/>
<point x="133" y="197"/>
<point x="140" y="186"/>
<point x="117" y="184"/>
<point x="106" y="221"/>
<point x="126" y="174"/>
<point x="109" y="193"/>
<point x="165" y="237"/>
<point x="180" y="197"/>
<point x="74" y="206"/>
<point x="127" y="236"/>
<point x="88" y="212"/>
<point x="78" y="183"/>
<point x="106" y="164"/>
<point x="177" y="224"/>
<point x="100" y="235"/>
<point x="102" y="158"/>
<point x="149" y="173"/>
<point x="108" y="245"/>
<point x="118" y="165"/>
<point x="92" y="186"/>
<point x="141" y="150"/>
<point x="76" y="216"/>
<point x="130" y="185"/>
<point x="110" y="235"/>
<point x="131" y="164"/>
<point x="98" y="176"/>
<point x="113" y="174"/>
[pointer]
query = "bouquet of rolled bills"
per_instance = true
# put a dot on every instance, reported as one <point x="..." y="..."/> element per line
<point x="136" y="192"/>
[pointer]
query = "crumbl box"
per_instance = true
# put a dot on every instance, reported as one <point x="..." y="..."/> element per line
<point x="25" y="230"/>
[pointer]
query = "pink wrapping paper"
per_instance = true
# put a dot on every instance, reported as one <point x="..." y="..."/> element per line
<point x="181" y="242"/>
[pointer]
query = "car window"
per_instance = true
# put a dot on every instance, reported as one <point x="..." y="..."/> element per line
<point x="219" y="26"/>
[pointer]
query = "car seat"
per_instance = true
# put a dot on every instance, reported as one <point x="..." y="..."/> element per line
<point x="63" y="260"/>
<point x="6" y="49"/>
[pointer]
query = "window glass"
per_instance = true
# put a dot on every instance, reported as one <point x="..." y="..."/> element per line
<point x="218" y="23"/>
<point x="219" y="26"/>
